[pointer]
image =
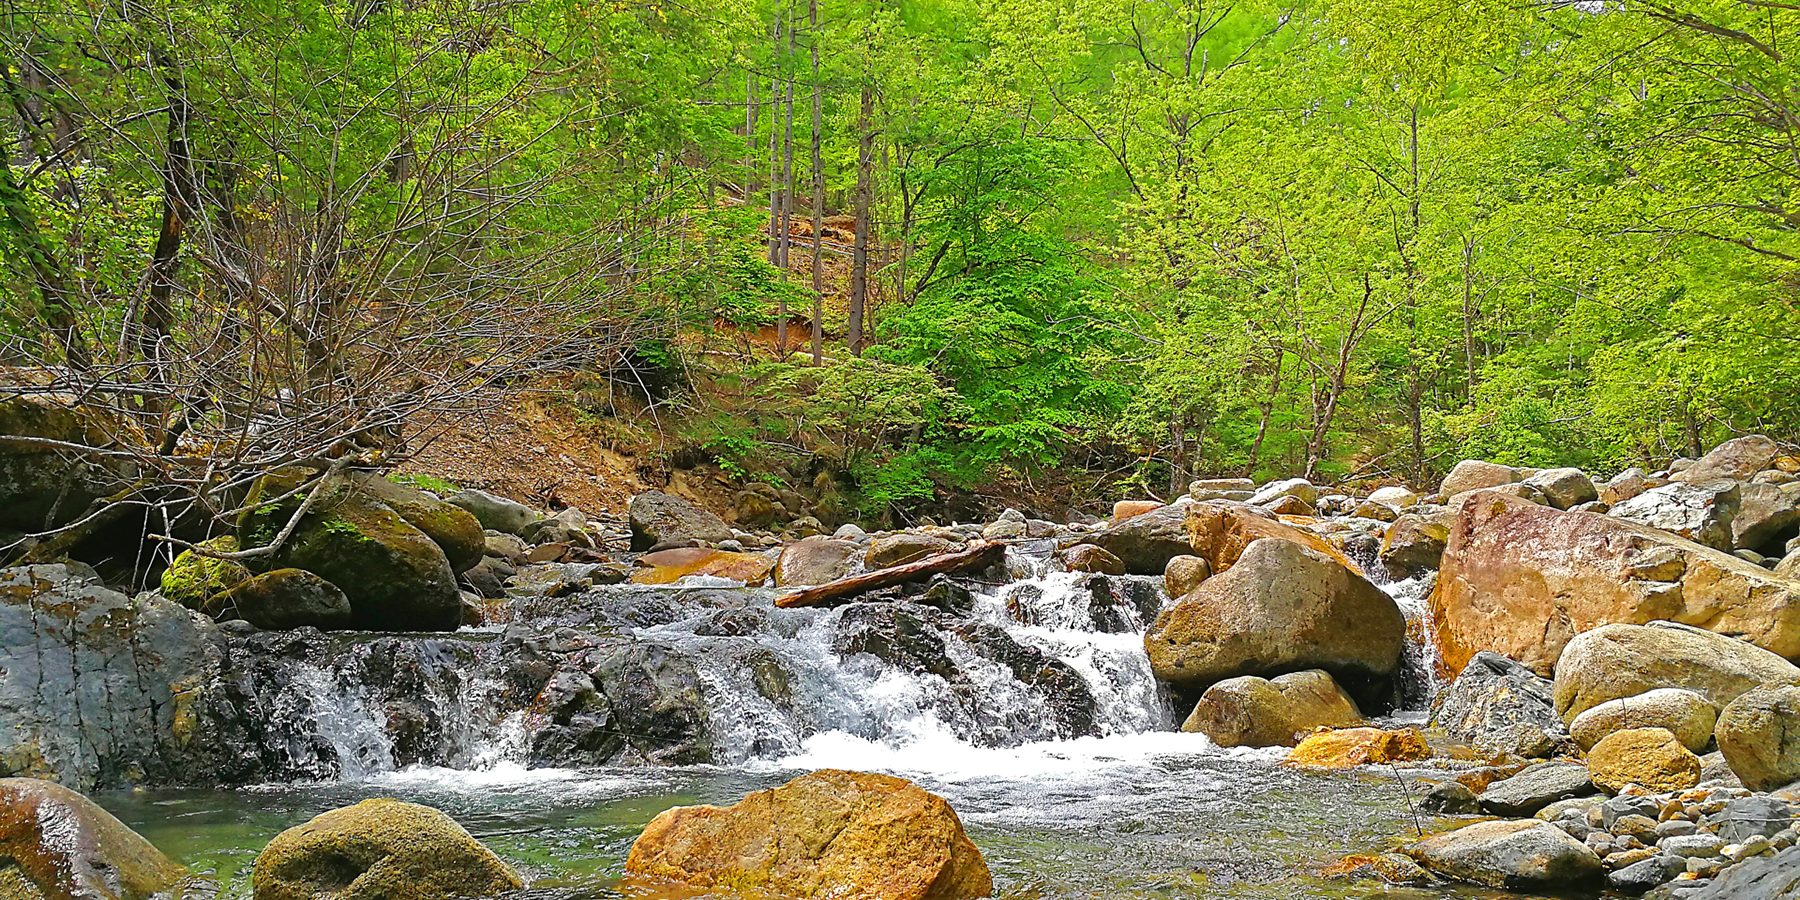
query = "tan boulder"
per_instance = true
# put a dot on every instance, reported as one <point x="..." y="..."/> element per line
<point x="1257" y="712"/>
<point x="1089" y="558"/>
<point x="1650" y="757"/>
<point x="1183" y="574"/>
<point x="815" y="561"/>
<point x="1347" y="748"/>
<point x="379" y="848"/>
<point x="1522" y="579"/>
<point x="57" y="844"/>
<point x="1617" y="661"/>
<point x="670" y="566"/>
<point x="831" y="833"/>
<point x="1737" y="460"/>
<point x="1128" y="509"/>
<point x="1687" y="715"/>
<point x="1219" y="531"/>
<point x="1281" y="608"/>
<point x="1475" y="474"/>
<point x="1759" y="735"/>
<point x="902" y="547"/>
<point x="1413" y="544"/>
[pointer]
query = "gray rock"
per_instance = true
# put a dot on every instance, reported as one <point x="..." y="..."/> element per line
<point x="1474" y="474"/>
<point x="1146" y="542"/>
<point x="1752" y="817"/>
<point x="1535" y="788"/>
<point x="1499" y="706"/>
<point x="1763" y="878"/>
<point x="1692" y="845"/>
<point x="493" y="512"/>
<point x="1626" y="485"/>
<point x="1616" y="808"/>
<point x="1738" y="459"/>
<point x="1298" y="488"/>
<point x="1702" y="513"/>
<point x="1759" y="733"/>
<point x="1564" y="488"/>
<point x="1516" y="855"/>
<point x="658" y="518"/>
<point x="1450" y="798"/>
<point x="1646" y="874"/>
<point x="1766" y="516"/>
<point x="286" y="598"/>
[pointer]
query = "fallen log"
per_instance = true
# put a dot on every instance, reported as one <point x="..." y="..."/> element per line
<point x="977" y="556"/>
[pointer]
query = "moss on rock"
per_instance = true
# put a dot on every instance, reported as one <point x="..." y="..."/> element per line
<point x="56" y="843"/>
<point x="194" y="580"/>
<point x="380" y="848"/>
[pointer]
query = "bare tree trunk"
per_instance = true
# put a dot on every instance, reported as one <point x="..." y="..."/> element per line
<point x="818" y="192"/>
<point x="181" y="201"/>
<point x="1265" y="411"/>
<point x="1415" y="376"/>
<point x="865" y="191"/>
<point x="1468" y="315"/>
<point x="750" y="115"/>
<point x="787" y="190"/>
<point x="774" y="152"/>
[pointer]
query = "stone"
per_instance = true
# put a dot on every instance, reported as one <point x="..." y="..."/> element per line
<point x="1774" y="877"/>
<point x="1256" y="712"/>
<point x="494" y="512"/>
<point x="1147" y="541"/>
<point x="455" y="530"/>
<point x="815" y="560"/>
<point x="1379" y="512"/>
<point x="1536" y="787"/>
<point x="1684" y="713"/>
<point x="1651" y="757"/>
<point x="1522" y="580"/>
<point x="1756" y="816"/>
<point x="1450" y="798"/>
<point x="754" y="509"/>
<point x="1564" y="488"/>
<point x="57" y="844"/>
<point x="1281" y="608"/>
<point x="1092" y="559"/>
<point x="1220" y="531"/>
<point x="1131" y="509"/>
<point x="285" y="599"/>
<point x="1298" y="488"/>
<point x="1626" y="805"/>
<point x="379" y="848"/>
<point x="831" y="833"/>
<point x="1626" y="485"/>
<point x="1519" y="855"/>
<point x="670" y="566"/>
<point x="1474" y="474"/>
<point x="1183" y="574"/>
<point x="194" y="579"/>
<point x="903" y="547"/>
<point x="1395" y="496"/>
<point x="1347" y="748"/>
<point x="44" y="486"/>
<point x="1289" y="506"/>
<point x="1767" y="516"/>
<point x="1759" y="733"/>
<point x="1496" y="705"/>
<point x="1643" y="875"/>
<point x="1701" y="513"/>
<point x="1221" y="486"/>
<point x="1412" y="545"/>
<point x="1736" y="460"/>
<point x="660" y="518"/>
<point x="1692" y="845"/>
<point x="1616" y="661"/>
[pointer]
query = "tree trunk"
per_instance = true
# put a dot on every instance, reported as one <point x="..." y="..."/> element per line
<point x="787" y="192"/>
<point x="818" y="193"/>
<point x="774" y="152"/>
<point x="977" y="556"/>
<point x="1468" y="316"/>
<point x="1265" y="411"/>
<point x="181" y="200"/>
<point x="865" y="190"/>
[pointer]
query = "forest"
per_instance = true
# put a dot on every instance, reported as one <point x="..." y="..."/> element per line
<point x="1137" y="240"/>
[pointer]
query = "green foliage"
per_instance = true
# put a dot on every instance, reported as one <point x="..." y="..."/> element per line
<point x="432" y="483"/>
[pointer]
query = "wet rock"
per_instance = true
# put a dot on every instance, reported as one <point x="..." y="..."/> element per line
<point x="379" y="848"/>
<point x="1498" y="706"/>
<point x="1347" y="748"/>
<point x="828" y="834"/>
<point x="1774" y="877"/>
<point x="286" y="598"/>
<point x="1564" y="488"/>
<point x="1092" y="558"/>
<point x="1651" y="757"/>
<point x="1759" y="733"/>
<point x="456" y="531"/>
<point x="900" y="634"/>
<point x="1702" y="513"/>
<point x="815" y="561"/>
<point x="1617" y="661"/>
<point x="1646" y="874"/>
<point x="1183" y="574"/>
<point x="1450" y="798"/>
<point x="1412" y="544"/>
<point x="1068" y="706"/>
<point x="903" y="547"/>
<point x="1522" y="580"/>
<point x="619" y="700"/>
<point x="946" y="594"/>
<point x="55" y="843"/>
<point x="1147" y="541"/>
<point x="1281" y="608"/>
<point x="1257" y="712"/>
<point x="1684" y="713"/>
<point x="1737" y="460"/>
<point x="494" y="512"/>
<point x="1519" y="855"/>
<point x="670" y="566"/>
<point x="659" y="518"/>
<point x="1220" y="532"/>
<point x="1535" y="788"/>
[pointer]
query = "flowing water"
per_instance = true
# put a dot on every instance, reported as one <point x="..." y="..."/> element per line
<point x="1030" y="706"/>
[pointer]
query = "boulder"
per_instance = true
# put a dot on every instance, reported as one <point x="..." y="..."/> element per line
<point x="1650" y="757"/>
<point x="1759" y="733"/>
<point x="754" y="509"/>
<point x="1496" y="705"/>
<point x="815" y="561"/>
<point x="455" y="530"/>
<point x="495" y="513"/>
<point x="1474" y="474"/>
<point x="659" y="518"/>
<point x="193" y="579"/>
<point x="1296" y="488"/>
<point x="379" y="848"/>
<point x="1564" y="488"/>
<point x="397" y="577"/>
<point x="1091" y="558"/>
<point x="1618" y="661"/>
<point x="1702" y="513"/>
<point x="1512" y="856"/>
<point x="670" y="566"/>
<point x="285" y="599"/>
<point x="1774" y="877"/>
<point x="1131" y="509"/>
<point x="1219" y="531"/>
<point x="1347" y="748"/>
<point x="831" y="833"/>
<point x="1756" y="816"/>
<point x="1147" y="541"/>
<point x="1277" y="712"/>
<point x="1522" y="579"/>
<point x="1687" y="715"/>
<point x="1412" y="545"/>
<point x="1183" y="574"/>
<point x="1208" y="486"/>
<point x="1735" y="460"/>
<point x="1395" y="496"/>
<point x="1766" y="518"/>
<point x="57" y="844"/>
<point x="43" y="485"/>
<point x="1536" y="787"/>
<point x="1626" y="485"/>
<point x="903" y="547"/>
<point x="1281" y="608"/>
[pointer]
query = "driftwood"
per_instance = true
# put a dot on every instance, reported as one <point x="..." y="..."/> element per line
<point x="977" y="556"/>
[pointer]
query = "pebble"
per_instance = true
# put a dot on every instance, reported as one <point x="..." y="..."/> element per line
<point x="1692" y="845"/>
<point x="1643" y="828"/>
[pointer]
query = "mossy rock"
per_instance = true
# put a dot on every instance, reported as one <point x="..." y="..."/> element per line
<point x="455" y="530"/>
<point x="380" y="848"/>
<point x="44" y="487"/>
<point x="55" y="843"/>
<point x="194" y="580"/>
<point x="284" y="599"/>
<point x="396" y="578"/>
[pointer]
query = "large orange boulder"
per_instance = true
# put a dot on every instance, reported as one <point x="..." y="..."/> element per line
<point x="1347" y="748"/>
<point x="1219" y="531"/>
<point x="670" y="566"/>
<point x="828" y="834"/>
<point x="1522" y="579"/>
<point x="55" y="843"/>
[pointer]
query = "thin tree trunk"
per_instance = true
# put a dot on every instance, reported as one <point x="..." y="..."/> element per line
<point x="1415" y="376"/>
<point x="1265" y="411"/>
<point x="156" y="318"/>
<point x="865" y="190"/>
<point x="787" y="190"/>
<point x="774" y="152"/>
<point x="818" y="192"/>
<point x="750" y="115"/>
<point x="1468" y="315"/>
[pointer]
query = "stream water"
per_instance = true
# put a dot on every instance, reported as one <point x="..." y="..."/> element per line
<point x="1029" y="705"/>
